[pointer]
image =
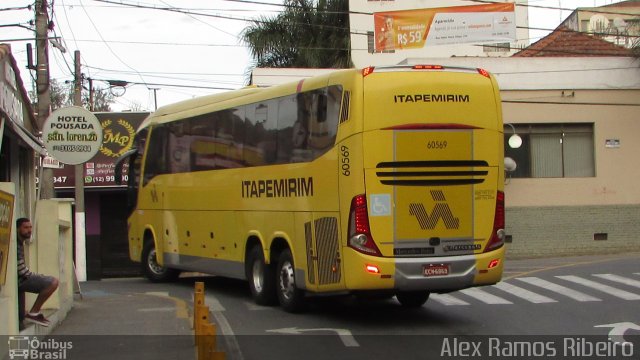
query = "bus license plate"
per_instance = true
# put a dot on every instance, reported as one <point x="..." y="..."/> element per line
<point x="435" y="270"/>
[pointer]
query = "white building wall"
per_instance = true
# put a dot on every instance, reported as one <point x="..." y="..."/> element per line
<point x="361" y="22"/>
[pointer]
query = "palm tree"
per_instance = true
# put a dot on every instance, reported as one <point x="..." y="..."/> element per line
<point x="308" y="34"/>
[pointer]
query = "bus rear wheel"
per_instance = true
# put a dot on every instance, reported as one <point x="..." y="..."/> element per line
<point x="152" y="269"/>
<point x="261" y="278"/>
<point x="290" y="297"/>
<point x="412" y="299"/>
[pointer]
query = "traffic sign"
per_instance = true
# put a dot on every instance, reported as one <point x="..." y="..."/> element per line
<point x="72" y="135"/>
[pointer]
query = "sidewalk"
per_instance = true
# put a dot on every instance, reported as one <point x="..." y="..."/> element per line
<point x="126" y="319"/>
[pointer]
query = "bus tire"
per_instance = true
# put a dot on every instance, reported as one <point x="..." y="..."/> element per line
<point x="412" y="299"/>
<point x="262" y="278"/>
<point x="152" y="269"/>
<point x="290" y="297"/>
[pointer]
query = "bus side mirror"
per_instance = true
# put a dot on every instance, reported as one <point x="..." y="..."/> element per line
<point x="120" y="163"/>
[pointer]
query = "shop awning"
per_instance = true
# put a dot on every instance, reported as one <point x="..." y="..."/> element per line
<point x="25" y="135"/>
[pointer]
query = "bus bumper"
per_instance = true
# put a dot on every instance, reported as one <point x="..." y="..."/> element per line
<point x="408" y="274"/>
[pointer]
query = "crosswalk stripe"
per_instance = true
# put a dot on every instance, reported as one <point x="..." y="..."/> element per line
<point x="619" y="279"/>
<point x="562" y="290"/>
<point x="484" y="296"/>
<point x="523" y="293"/>
<point x="601" y="287"/>
<point x="446" y="299"/>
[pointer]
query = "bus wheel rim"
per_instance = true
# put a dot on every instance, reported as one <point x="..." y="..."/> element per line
<point x="287" y="282"/>
<point x="153" y="263"/>
<point x="257" y="276"/>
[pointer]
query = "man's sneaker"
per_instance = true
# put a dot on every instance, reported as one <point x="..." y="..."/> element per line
<point x="37" y="319"/>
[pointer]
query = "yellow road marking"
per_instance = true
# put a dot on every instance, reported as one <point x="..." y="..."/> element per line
<point x="182" y="310"/>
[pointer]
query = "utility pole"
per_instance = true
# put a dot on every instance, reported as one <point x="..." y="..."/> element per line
<point x="155" y="98"/>
<point x="42" y="86"/>
<point x="90" y="94"/>
<point x="81" y="248"/>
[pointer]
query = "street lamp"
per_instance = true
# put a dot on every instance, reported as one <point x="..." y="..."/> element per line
<point x="515" y="141"/>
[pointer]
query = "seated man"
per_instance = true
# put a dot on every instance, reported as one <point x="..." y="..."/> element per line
<point x="28" y="281"/>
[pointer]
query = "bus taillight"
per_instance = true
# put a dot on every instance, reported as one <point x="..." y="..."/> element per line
<point x="359" y="232"/>
<point x="498" y="234"/>
<point x="367" y="71"/>
<point x="484" y="73"/>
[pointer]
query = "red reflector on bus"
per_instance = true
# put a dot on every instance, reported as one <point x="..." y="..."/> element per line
<point x="428" y="67"/>
<point x="484" y="72"/>
<point x="373" y="269"/>
<point x="367" y="71"/>
<point x="493" y="263"/>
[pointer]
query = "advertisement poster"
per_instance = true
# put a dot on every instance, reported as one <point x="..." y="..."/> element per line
<point x="6" y="219"/>
<point x="118" y="131"/>
<point x="415" y="29"/>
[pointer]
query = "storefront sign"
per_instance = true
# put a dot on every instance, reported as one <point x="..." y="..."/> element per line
<point x="6" y="220"/>
<point x="119" y="131"/>
<point x="415" y="29"/>
<point x="72" y="135"/>
<point x="10" y="100"/>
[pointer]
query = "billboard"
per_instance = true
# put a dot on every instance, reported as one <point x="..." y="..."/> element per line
<point x="118" y="131"/>
<point x="415" y="29"/>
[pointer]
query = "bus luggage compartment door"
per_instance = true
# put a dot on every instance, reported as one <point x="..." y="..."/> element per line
<point x="428" y="183"/>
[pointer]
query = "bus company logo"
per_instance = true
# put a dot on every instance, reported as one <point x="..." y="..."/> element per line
<point x="117" y="138"/>
<point x="440" y="211"/>
<point x="32" y="348"/>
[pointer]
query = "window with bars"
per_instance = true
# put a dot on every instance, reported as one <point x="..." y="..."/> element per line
<point x="552" y="150"/>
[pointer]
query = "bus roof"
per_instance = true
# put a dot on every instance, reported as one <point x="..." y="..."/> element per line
<point x="204" y="104"/>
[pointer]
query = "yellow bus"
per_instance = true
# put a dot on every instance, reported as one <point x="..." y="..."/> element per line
<point x="385" y="180"/>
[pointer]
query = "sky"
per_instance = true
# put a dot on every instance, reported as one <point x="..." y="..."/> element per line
<point x="168" y="56"/>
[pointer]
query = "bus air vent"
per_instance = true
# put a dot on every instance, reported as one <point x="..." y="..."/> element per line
<point x="344" y="113"/>
<point x="432" y="172"/>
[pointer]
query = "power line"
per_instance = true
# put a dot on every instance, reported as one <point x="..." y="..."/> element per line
<point x="107" y="44"/>
<point x="207" y="24"/>
<point x="28" y="7"/>
<point x="176" y="85"/>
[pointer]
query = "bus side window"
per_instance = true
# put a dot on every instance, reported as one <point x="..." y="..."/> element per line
<point x="261" y="130"/>
<point x="291" y="132"/>
<point x="324" y="126"/>
<point x="156" y="160"/>
<point x="321" y="110"/>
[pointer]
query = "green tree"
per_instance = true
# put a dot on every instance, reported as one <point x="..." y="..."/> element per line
<point x="102" y="100"/>
<point x="307" y="34"/>
<point x="59" y="94"/>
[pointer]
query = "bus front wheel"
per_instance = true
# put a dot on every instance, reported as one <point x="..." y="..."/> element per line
<point x="152" y="269"/>
<point x="261" y="277"/>
<point x="412" y="299"/>
<point x="290" y="297"/>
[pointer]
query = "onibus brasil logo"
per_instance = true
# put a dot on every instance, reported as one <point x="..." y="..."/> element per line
<point x="32" y="348"/>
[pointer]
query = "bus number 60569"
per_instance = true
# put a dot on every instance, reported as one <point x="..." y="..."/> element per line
<point x="345" y="160"/>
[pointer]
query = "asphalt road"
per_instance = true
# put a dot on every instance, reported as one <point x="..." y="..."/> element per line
<point x="558" y="308"/>
<point x="582" y="307"/>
